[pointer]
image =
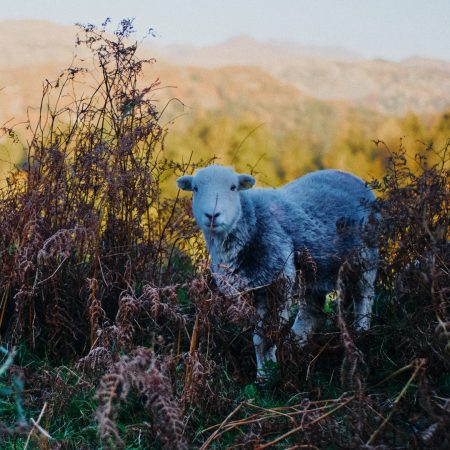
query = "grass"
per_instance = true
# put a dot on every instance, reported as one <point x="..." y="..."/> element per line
<point x="71" y="421"/>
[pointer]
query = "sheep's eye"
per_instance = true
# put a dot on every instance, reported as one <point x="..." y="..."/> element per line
<point x="233" y="187"/>
<point x="195" y="188"/>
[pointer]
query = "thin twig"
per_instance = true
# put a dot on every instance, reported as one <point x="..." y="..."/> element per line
<point x="301" y="427"/>
<point x="315" y="357"/>
<point x="54" y="273"/>
<point x="274" y="411"/>
<point x="392" y="375"/>
<point x="36" y="425"/>
<point x="214" y="435"/>
<point x="419" y="365"/>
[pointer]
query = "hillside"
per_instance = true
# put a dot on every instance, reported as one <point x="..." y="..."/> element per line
<point x="415" y="84"/>
<point x="27" y="43"/>
<point x="280" y="106"/>
<point x="39" y="50"/>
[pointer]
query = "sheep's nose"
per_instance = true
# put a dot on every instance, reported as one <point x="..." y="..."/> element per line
<point x="212" y="217"/>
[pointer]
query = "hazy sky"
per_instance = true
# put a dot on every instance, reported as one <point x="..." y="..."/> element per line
<point x="391" y="29"/>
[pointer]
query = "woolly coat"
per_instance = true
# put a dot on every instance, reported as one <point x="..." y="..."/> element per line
<point x="323" y="212"/>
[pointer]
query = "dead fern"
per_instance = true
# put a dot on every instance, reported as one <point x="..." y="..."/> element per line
<point x="142" y="372"/>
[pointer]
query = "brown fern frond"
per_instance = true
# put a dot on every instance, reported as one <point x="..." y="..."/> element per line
<point x="61" y="244"/>
<point x="107" y="393"/>
<point x="130" y="309"/>
<point x="163" y="303"/>
<point x="96" y="362"/>
<point x="142" y="372"/>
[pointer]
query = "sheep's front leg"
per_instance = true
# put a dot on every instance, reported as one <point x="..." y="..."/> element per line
<point x="263" y="350"/>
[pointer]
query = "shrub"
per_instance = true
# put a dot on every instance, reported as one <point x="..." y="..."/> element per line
<point x="85" y="222"/>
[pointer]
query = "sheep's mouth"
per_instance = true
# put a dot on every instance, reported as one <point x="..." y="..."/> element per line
<point x="214" y="226"/>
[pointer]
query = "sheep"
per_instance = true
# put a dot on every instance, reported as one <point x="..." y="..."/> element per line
<point x="254" y="235"/>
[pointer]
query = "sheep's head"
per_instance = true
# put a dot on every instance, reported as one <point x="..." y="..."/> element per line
<point x="216" y="202"/>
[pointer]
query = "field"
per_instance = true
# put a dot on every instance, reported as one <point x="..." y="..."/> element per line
<point x="113" y="334"/>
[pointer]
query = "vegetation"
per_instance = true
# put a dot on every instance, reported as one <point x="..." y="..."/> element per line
<point x="113" y="334"/>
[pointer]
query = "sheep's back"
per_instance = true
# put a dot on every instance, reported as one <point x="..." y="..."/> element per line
<point x="322" y="211"/>
<point x="332" y="191"/>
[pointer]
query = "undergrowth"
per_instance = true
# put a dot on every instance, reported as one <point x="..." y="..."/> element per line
<point x="114" y="335"/>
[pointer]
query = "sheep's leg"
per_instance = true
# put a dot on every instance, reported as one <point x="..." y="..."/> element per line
<point x="264" y="352"/>
<point x="264" y="349"/>
<point x="305" y="322"/>
<point x="363" y="306"/>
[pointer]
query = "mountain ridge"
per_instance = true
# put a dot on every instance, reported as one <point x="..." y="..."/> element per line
<point x="417" y="84"/>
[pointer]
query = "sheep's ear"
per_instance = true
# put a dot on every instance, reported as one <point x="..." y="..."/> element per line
<point x="245" y="181"/>
<point x="185" y="182"/>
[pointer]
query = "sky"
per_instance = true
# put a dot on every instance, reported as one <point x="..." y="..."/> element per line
<point x="391" y="29"/>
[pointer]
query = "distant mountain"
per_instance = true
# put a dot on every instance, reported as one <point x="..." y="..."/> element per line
<point x="240" y="73"/>
<point x="31" y="42"/>
<point x="281" y="106"/>
<point x="39" y="50"/>
<point x="244" y="50"/>
<point x="416" y="84"/>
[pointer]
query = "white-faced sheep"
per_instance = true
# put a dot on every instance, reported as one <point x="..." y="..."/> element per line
<point x="253" y="235"/>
